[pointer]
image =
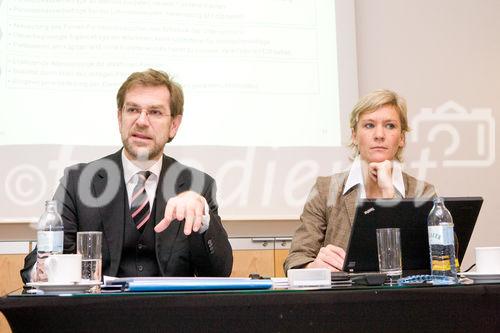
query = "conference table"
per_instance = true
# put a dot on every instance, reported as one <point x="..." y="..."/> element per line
<point x="460" y="308"/>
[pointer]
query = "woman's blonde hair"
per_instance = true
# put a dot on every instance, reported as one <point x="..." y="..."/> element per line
<point x="374" y="101"/>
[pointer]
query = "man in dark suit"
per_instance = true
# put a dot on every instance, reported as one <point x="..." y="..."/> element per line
<point x="158" y="217"/>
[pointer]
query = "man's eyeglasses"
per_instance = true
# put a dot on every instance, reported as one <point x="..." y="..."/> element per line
<point x="154" y="113"/>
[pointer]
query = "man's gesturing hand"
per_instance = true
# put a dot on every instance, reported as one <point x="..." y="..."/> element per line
<point x="187" y="206"/>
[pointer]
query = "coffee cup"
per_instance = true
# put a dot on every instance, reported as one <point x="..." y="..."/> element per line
<point x="488" y="260"/>
<point x="64" y="268"/>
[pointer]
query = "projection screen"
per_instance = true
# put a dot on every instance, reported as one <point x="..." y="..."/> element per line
<point x="268" y="88"/>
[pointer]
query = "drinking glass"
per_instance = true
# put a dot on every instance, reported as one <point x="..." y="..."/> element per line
<point x="88" y="244"/>
<point x="389" y="252"/>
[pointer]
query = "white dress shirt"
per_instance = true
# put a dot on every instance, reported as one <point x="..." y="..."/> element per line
<point x="131" y="178"/>
<point x="356" y="178"/>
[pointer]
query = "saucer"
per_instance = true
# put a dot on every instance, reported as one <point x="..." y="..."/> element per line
<point x="482" y="277"/>
<point x="65" y="288"/>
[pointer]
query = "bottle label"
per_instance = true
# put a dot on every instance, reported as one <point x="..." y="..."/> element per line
<point x="441" y="265"/>
<point x="441" y="235"/>
<point x="50" y="241"/>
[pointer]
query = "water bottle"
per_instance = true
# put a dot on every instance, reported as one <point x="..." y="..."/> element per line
<point x="442" y="241"/>
<point x="50" y="238"/>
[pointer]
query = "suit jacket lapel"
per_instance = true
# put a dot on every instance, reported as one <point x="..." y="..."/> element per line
<point x="171" y="182"/>
<point x="350" y="199"/>
<point x="112" y="212"/>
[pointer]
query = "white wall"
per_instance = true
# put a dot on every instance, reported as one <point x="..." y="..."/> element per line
<point x="432" y="52"/>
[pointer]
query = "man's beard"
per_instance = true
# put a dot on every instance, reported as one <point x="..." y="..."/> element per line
<point x="142" y="154"/>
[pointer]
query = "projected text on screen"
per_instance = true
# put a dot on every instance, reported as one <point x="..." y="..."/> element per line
<point x="259" y="73"/>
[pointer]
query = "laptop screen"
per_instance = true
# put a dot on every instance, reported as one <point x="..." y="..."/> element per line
<point x="410" y="215"/>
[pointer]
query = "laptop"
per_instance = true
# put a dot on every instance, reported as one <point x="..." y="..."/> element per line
<point x="410" y="215"/>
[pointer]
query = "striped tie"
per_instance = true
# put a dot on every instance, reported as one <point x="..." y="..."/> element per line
<point x="140" y="202"/>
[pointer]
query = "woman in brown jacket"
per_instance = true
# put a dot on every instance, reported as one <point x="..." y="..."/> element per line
<point x="378" y="127"/>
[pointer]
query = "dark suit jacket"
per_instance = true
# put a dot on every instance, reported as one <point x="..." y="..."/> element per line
<point x="91" y="198"/>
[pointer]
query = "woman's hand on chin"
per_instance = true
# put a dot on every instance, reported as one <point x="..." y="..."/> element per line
<point x="381" y="174"/>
